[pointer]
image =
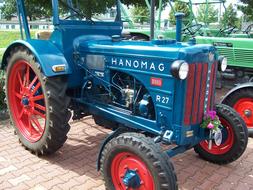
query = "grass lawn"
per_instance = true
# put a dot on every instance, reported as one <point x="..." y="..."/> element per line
<point x="1" y="54"/>
<point x="6" y="37"/>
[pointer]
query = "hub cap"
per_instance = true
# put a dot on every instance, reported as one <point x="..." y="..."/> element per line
<point x="218" y="137"/>
<point x="130" y="173"/>
<point x="223" y="140"/>
<point x="245" y="108"/>
<point x="26" y="101"/>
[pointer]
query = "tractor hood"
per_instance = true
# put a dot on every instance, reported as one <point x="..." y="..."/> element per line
<point x="161" y="49"/>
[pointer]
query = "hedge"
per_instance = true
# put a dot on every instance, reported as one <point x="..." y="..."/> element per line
<point x="2" y="94"/>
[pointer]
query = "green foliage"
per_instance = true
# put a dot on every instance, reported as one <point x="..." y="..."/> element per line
<point x="143" y="2"/>
<point x="43" y="8"/>
<point x="91" y="7"/>
<point x="140" y="14"/>
<point x="247" y="9"/>
<point x="216" y="123"/>
<point x="2" y="94"/>
<point x="34" y="9"/>
<point x="210" y="17"/>
<point x="229" y="18"/>
<point x="180" y="7"/>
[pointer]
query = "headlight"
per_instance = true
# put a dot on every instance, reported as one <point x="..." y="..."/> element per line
<point x="223" y="63"/>
<point x="180" y="69"/>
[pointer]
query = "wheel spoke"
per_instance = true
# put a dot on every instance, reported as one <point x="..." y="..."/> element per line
<point x="36" y="122"/>
<point x="27" y="75"/>
<point x="42" y="108"/>
<point x="39" y="113"/>
<point x="30" y="124"/>
<point x="20" y="80"/>
<point x="36" y="88"/>
<point x="18" y="95"/>
<point x="39" y="97"/>
<point x="33" y="82"/>
<point x="21" y="113"/>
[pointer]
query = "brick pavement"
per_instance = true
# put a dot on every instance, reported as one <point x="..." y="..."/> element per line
<point x="74" y="165"/>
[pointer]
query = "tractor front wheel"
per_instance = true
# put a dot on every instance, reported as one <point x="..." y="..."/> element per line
<point x="37" y="104"/>
<point x="233" y="138"/>
<point x="133" y="161"/>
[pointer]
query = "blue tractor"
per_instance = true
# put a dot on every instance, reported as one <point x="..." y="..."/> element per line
<point x="153" y="93"/>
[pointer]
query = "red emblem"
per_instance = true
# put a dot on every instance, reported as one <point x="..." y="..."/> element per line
<point x="156" y="81"/>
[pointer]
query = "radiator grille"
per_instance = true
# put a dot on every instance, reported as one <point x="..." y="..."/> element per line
<point x="196" y="92"/>
<point x="227" y="52"/>
<point x="243" y="55"/>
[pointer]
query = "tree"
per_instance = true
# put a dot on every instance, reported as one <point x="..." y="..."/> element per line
<point x="229" y="18"/>
<point x="180" y="7"/>
<point x="143" y="2"/>
<point x="207" y="17"/>
<point x="34" y="9"/>
<point x="140" y="14"/>
<point x="247" y="9"/>
<point x="43" y="8"/>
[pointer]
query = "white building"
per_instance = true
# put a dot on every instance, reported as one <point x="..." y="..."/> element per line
<point x="14" y="25"/>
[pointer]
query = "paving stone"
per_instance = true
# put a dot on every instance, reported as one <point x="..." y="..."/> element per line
<point x="39" y="187"/>
<point x="74" y="165"/>
<point x="8" y="169"/>
<point x="20" y="179"/>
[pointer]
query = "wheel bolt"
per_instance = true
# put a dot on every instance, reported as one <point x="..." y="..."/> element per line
<point x="247" y="113"/>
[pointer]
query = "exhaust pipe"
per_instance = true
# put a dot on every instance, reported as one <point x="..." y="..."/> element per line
<point x="179" y="21"/>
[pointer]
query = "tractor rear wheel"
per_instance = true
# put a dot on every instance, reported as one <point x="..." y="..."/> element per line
<point x="37" y="104"/>
<point x="133" y="161"/>
<point x="242" y="102"/>
<point x="234" y="138"/>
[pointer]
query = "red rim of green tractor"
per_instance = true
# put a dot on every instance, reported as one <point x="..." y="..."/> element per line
<point x="227" y="141"/>
<point x="26" y="101"/>
<point x="244" y="108"/>
<point x="124" y="162"/>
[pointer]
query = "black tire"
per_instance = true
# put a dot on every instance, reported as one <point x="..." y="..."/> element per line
<point x="55" y="101"/>
<point x="236" y="101"/>
<point x="156" y="161"/>
<point x="238" y="145"/>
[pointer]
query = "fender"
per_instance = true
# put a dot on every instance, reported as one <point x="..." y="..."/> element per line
<point x="240" y="86"/>
<point x="114" y="134"/>
<point x="46" y="53"/>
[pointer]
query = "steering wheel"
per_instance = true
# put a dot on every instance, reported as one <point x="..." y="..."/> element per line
<point x="226" y="31"/>
<point x="75" y="15"/>
<point x="248" y="29"/>
<point x="192" y="30"/>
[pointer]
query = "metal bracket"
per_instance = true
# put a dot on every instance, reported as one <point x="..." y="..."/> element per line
<point x="168" y="136"/>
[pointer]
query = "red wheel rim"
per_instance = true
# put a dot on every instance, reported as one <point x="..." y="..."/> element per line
<point x="245" y="108"/>
<point x="26" y="101"/>
<point x="124" y="161"/>
<point x="227" y="142"/>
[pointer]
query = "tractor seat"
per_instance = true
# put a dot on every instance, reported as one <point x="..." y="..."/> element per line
<point x="43" y="35"/>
